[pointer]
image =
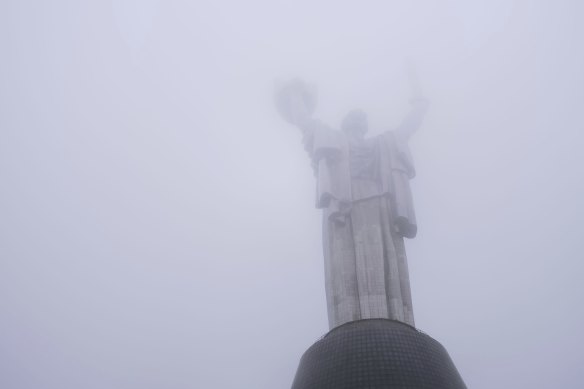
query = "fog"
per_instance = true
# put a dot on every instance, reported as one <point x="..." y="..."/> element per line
<point x="157" y="220"/>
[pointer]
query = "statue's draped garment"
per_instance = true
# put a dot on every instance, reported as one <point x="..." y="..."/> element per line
<point x="363" y="189"/>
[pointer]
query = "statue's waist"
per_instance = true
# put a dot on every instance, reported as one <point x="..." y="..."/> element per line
<point x="365" y="188"/>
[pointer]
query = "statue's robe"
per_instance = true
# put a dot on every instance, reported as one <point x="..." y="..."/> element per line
<point x="363" y="189"/>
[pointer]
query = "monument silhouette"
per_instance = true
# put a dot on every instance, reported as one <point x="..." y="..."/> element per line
<point x="364" y="192"/>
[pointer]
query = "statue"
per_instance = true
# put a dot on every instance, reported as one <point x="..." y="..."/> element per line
<point x="364" y="192"/>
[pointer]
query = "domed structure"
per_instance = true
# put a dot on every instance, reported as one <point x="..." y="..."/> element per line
<point x="377" y="354"/>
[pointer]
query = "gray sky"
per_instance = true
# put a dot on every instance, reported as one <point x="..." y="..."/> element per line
<point x="157" y="221"/>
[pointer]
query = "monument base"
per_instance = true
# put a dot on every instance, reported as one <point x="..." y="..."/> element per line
<point x="376" y="354"/>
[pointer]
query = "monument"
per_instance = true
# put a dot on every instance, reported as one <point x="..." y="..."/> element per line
<point x="364" y="192"/>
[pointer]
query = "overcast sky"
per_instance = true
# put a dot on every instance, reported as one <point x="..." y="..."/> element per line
<point x="157" y="220"/>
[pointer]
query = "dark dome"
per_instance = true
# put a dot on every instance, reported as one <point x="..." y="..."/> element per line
<point x="376" y="354"/>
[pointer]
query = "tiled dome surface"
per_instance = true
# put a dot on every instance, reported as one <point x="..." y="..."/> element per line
<point x="376" y="354"/>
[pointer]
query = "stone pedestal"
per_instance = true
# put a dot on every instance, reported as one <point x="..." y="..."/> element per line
<point x="376" y="354"/>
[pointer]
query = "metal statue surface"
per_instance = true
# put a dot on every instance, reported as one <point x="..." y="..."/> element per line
<point x="363" y="189"/>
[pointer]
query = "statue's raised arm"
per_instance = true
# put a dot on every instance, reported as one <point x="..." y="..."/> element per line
<point x="413" y="120"/>
<point x="296" y="103"/>
<point x="420" y="105"/>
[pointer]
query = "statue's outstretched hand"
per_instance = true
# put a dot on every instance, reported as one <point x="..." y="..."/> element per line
<point x="413" y="121"/>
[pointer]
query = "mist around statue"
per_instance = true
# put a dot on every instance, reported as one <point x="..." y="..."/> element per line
<point x="157" y="215"/>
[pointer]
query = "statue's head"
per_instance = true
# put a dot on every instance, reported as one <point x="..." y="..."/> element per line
<point x="355" y="123"/>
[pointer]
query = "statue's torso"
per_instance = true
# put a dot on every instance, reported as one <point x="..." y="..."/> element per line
<point x="364" y="169"/>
